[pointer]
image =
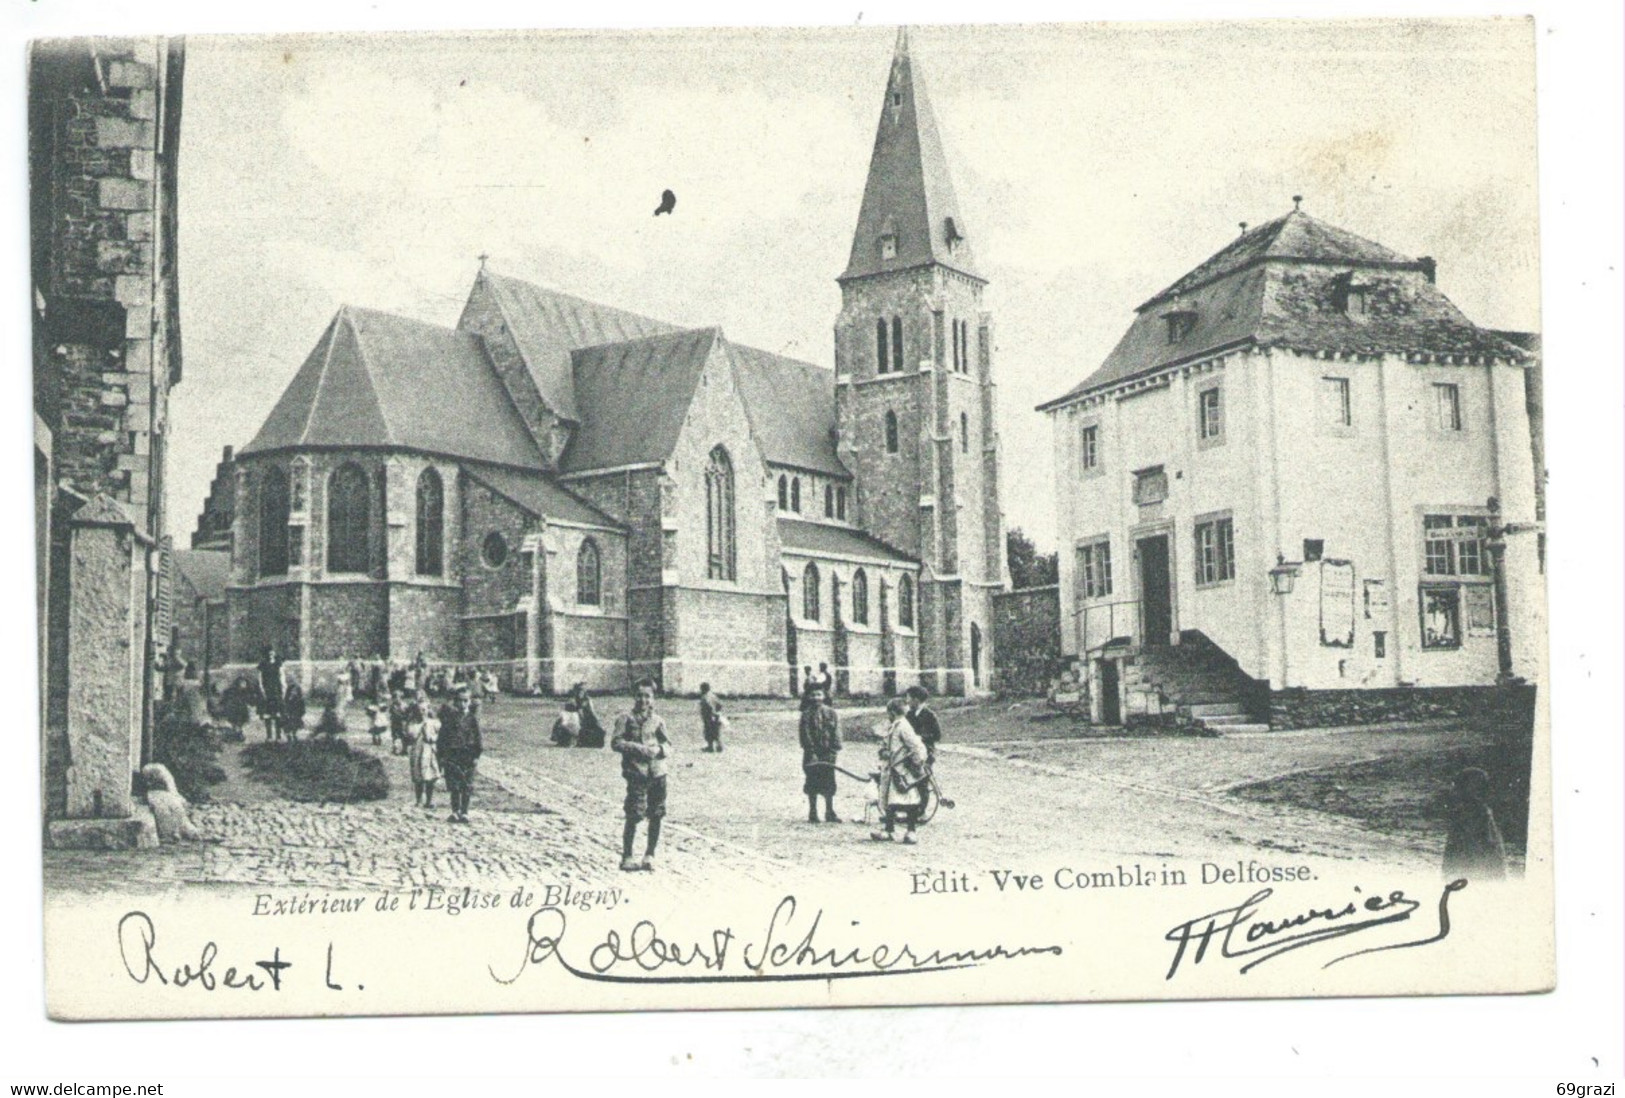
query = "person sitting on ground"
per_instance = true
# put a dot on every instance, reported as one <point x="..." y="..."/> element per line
<point x="331" y="722"/>
<point x="592" y="732"/>
<point x="904" y="766"/>
<point x="567" y="725"/>
<point x="710" y="718"/>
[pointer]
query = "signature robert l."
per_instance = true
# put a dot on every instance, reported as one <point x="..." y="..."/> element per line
<point x="1243" y="933"/>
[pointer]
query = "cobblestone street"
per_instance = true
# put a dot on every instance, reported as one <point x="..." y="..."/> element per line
<point x="1025" y="787"/>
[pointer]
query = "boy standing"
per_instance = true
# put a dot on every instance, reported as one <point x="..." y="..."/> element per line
<point x="641" y="741"/>
<point x="710" y="717"/>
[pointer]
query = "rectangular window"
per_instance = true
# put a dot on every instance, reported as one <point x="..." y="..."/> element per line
<point x="1095" y="570"/>
<point x="1215" y="551"/>
<point x="1150" y="486"/>
<point x="1335" y="409"/>
<point x="1453" y="545"/>
<point x="1449" y="401"/>
<point x="1470" y="552"/>
<point x="1209" y="418"/>
<point x="1441" y="616"/>
<point x="1089" y="448"/>
<point x="1180" y="325"/>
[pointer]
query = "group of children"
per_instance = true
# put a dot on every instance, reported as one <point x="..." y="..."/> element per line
<point x="413" y="728"/>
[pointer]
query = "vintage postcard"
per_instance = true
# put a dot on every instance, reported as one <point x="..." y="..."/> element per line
<point x="741" y="518"/>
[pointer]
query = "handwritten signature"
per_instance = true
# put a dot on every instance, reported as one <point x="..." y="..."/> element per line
<point x="1263" y="939"/>
<point x="138" y="949"/>
<point x="788" y="949"/>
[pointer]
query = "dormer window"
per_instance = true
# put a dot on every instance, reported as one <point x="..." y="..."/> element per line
<point x="888" y="239"/>
<point x="1350" y="297"/>
<point x="952" y="235"/>
<point x="1180" y="323"/>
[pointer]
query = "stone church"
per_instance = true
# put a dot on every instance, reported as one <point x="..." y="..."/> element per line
<point x="573" y="492"/>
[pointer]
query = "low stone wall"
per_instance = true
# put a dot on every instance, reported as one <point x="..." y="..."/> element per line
<point x="1300" y="708"/>
<point x="1026" y="639"/>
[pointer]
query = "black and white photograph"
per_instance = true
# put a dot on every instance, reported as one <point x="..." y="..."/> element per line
<point x="880" y="515"/>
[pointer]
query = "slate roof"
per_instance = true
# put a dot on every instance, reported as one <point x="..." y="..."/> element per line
<point x="791" y="406"/>
<point x="207" y="570"/>
<point x="379" y="380"/>
<point x="909" y="184"/>
<point x="540" y="495"/>
<point x="820" y="539"/>
<point x="1294" y="236"/>
<point x="632" y="398"/>
<point x="1255" y="293"/>
<point x="547" y="326"/>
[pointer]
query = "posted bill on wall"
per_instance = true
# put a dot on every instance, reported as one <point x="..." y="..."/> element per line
<point x="507" y="596"/>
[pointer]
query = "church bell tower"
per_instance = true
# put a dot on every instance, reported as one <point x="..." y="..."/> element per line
<point x="915" y="387"/>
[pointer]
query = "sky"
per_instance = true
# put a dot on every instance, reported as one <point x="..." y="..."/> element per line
<point x="1094" y="164"/>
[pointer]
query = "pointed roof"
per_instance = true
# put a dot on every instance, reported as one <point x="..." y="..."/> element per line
<point x="1294" y="237"/>
<point x="540" y="495"/>
<point x="375" y="380"/>
<point x="909" y="196"/>
<point x="547" y="326"/>
<point x="207" y="570"/>
<point x="632" y="398"/>
<point x="791" y="406"/>
<point x="825" y="539"/>
<point x="1252" y="293"/>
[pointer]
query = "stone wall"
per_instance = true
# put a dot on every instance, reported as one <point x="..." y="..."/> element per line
<point x="492" y="589"/>
<point x="739" y="648"/>
<point x="425" y="618"/>
<point x="1027" y="639"/>
<point x="1299" y="708"/>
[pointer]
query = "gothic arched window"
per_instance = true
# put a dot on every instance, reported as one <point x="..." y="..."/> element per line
<point x="431" y="534"/>
<point x="349" y="519"/>
<point x="274" y="523"/>
<point x="964" y="433"/>
<point x="905" y="602"/>
<point x="721" y="555"/>
<point x="860" y="597"/>
<point x="882" y="359"/>
<point x="840" y="503"/>
<point x="589" y="574"/>
<point x="829" y="501"/>
<point x="811" y="602"/>
<point x="891" y="432"/>
<point x="784" y="492"/>
<point x="897" y="342"/>
<point x="795" y="494"/>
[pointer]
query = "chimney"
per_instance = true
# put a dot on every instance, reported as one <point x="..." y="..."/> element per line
<point x="1430" y="268"/>
<point x="225" y="456"/>
<point x="1243" y="228"/>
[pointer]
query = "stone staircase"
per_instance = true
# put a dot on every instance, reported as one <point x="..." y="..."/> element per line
<point x="1197" y="683"/>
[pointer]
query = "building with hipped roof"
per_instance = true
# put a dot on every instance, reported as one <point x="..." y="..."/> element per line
<point x="574" y="492"/>
<point x="1280" y="479"/>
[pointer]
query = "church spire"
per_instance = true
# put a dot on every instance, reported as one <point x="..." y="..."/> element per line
<point x="909" y="216"/>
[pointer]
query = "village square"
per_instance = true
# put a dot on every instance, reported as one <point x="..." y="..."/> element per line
<point x="556" y="590"/>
